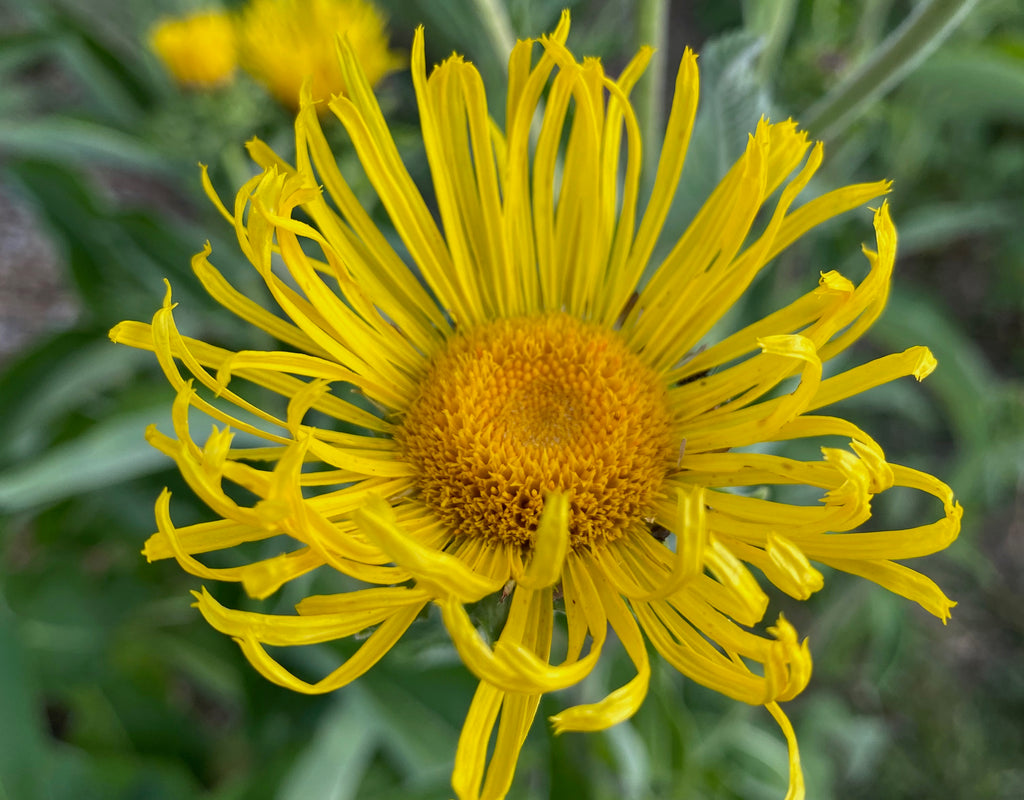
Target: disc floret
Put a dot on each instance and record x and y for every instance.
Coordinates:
(518, 408)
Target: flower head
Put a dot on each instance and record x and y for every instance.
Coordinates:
(282, 43)
(516, 407)
(198, 50)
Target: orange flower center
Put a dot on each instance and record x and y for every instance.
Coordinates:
(518, 408)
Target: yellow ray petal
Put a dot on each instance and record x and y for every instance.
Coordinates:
(550, 545)
(369, 653)
(285, 631)
(474, 740)
(783, 563)
(622, 703)
(689, 524)
(796, 789)
(670, 166)
(442, 575)
(509, 665)
(900, 580)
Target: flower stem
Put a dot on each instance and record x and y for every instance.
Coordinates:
(898, 55)
(652, 29)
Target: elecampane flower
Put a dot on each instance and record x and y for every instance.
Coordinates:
(281, 43)
(198, 50)
(516, 411)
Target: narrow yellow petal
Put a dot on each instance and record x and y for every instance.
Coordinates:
(442, 575)
(259, 578)
(901, 580)
(224, 293)
(286, 631)
(622, 703)
(551, 544)
(823, 208)
(689, 524)
(517, 714)
(140, 335)
(670, 167)
(796, 790)
(360, 602)
(370, 652)
(509, 665)
(474, 740)
(874, 291)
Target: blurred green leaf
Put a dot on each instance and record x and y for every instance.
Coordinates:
(970, 84)
(420, 742)
(773, 22)
(938, 225)
(339, 753)
(75, 369)
(23, 757)
(111, 76)
(963, 376)
(76, 141)
(113, 450)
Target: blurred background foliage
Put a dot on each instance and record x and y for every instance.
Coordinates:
(110, 684)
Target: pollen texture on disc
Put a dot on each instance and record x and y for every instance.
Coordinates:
(517, 408)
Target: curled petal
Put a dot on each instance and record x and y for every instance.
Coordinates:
(286, 631)
(370, 652)
(788, 669)
(752, 602)
(622, 703)
(260, 578)
(442, 575)
(800, 348)
(690, 528)
(509, 665)
(783, 563)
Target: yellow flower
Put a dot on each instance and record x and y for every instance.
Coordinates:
(516, 412)
(198, 50)
(281, 43)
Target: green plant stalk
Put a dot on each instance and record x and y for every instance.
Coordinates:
(774, 22)
(494, 16)
(897, 56)
(652, 30)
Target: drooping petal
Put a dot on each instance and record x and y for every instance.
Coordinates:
(623, 702)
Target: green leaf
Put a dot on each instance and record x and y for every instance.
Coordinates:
(970, 84)
(23, 761)
(73, 141)
(339, 753)
(935, 226)
(113, 450)
(70, 371)
(963, 375)
(418, 739)
(112, 75)
(774, 22)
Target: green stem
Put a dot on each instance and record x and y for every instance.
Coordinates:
(898, 55)
(496, 22)
(652, 29)
(774, 22)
